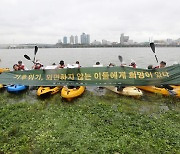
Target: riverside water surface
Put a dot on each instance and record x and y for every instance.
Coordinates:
(89, 56)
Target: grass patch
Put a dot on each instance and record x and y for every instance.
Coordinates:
(90, 124)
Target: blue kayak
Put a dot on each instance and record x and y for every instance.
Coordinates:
(16, 88)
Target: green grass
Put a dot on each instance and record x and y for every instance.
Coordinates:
(90, 124)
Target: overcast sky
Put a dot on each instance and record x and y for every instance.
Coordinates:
(46, 21)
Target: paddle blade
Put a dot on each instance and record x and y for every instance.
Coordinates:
(27, 57)
(152, 46)
(36, 49)
(120, 58)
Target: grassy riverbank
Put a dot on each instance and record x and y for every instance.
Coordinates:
(90, 124)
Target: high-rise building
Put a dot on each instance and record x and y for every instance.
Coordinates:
(124, 39)
(85, 39)
(88, 39)
(64, 40)
(76, 39)
(71, 39)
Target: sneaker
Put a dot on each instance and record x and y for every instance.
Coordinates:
(172, 92)
(120, 88)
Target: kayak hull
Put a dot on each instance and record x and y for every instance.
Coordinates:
(16, 88)
(69, 94)
(1, 86)
(48, 90)
(163, 91)
(4, 70)
(127, 91)
(1, 71)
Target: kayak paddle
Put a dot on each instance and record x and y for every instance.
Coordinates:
(120, 59)
(152, 45)
(35, 51)
(28, 58)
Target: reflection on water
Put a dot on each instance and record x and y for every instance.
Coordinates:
(98, 91)
(155, 105)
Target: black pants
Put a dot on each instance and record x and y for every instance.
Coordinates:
(166, 86)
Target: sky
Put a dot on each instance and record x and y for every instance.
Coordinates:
(47, 21)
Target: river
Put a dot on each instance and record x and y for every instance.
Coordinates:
(89, 56)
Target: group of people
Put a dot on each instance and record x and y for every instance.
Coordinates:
(38, 65)
(161, 65)
(62, 65)
(19, 66)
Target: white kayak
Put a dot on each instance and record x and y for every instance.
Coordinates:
(127, 91)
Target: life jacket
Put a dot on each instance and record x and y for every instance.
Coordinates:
(61, 66)
(37, 66)
(156, 67)
(21, 67)
(133, 65)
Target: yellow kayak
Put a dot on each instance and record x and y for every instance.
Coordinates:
(48, 90)
(127, 91)
(1, 86)
(162, 91)
(70, 93)
(4, 70)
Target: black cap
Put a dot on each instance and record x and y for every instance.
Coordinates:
(163, 62)
(19, 62)
(150, 67)
(61, 62)
(98, 63)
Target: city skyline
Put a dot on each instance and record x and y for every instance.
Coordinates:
(84, 39)
(123, 40)
(45, 21)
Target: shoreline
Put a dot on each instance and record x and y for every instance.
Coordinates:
(26, 46)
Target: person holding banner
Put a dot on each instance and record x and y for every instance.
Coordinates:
(15, 67)
(77, 63)
(37, 65)
(21, 66)
(166, 86)
(161, 65)
(133, 65)
(61, 64)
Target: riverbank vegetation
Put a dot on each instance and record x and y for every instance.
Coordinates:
(90, 124)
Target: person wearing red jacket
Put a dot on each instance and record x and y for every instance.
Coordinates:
(166, 86)
(61, 64)
(133, 65)
(37, 65)
(20, 65)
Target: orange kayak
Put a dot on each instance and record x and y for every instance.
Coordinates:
(162, 91)
(48, 90)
